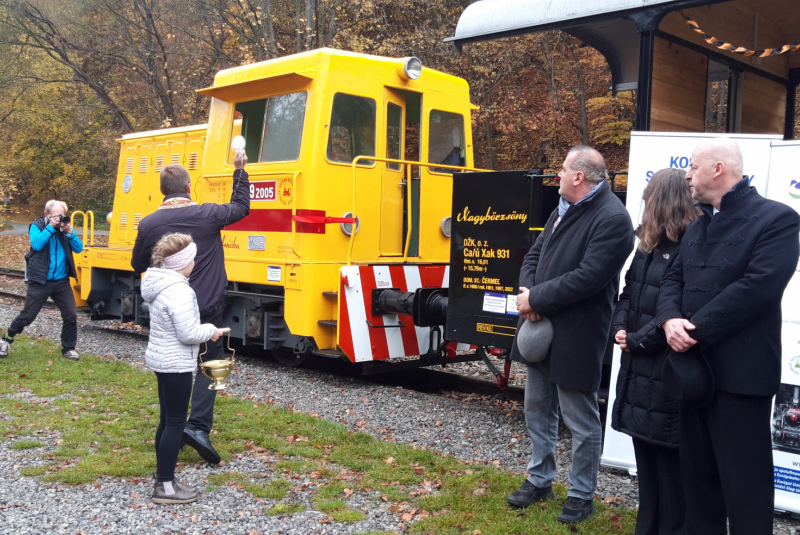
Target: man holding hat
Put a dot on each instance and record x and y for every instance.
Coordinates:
(721, 302)
(570, 276)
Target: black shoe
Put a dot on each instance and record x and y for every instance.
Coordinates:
(576, 510)
(200, 441)
(528, 494)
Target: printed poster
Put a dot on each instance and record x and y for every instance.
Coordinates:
(784, 188)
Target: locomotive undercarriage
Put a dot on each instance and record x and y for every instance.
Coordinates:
(255, 315)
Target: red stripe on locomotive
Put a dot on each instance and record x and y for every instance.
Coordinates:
(265, 220)
(408, 332)
(377, 336)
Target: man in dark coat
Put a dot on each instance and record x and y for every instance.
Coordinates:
(49, 266)
(571, 275)
(723, 294)
(203, 222)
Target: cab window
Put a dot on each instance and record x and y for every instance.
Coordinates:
(352, 129)
(394, 134)
(272, 127)
(446, 140)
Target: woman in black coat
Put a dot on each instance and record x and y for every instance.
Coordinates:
(642, 408)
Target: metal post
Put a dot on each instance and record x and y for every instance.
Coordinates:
(791, 100)
(644, 89)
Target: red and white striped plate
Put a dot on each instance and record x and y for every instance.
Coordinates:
(363, 343)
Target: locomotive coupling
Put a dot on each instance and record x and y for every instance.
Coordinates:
(426, 306)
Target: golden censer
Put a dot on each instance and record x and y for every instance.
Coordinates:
(218, 370)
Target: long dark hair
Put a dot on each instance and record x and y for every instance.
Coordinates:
(668, 209)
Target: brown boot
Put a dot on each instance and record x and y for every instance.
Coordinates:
(174, 492)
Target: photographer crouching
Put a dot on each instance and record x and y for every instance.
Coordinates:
(49, 267)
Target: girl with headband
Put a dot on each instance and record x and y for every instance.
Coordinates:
(175, 335)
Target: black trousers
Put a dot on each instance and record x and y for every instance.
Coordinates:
(60, 292)
(662, 507)
(726, 465)
(174, 390)
(202, 416)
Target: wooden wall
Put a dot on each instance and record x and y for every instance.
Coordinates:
(763, 105)
(754, 24)
(679, 88)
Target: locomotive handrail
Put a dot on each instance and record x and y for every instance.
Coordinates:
(88, 215)
(408, 164)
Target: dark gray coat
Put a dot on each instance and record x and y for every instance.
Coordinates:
(572, 272)
(643, 409)
(203, 222)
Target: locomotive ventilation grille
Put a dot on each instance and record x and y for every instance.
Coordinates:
(159, 163)
(129, 166)
(123, 221)
(136, 219)
(193, 160)
(143, 164)
(176, 158)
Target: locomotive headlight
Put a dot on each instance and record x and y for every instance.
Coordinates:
(411, 69)
(108, 217)
(446, 226)
(347, 228)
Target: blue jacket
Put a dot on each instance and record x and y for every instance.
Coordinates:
(48, 250)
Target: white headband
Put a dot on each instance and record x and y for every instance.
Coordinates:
(182, 258)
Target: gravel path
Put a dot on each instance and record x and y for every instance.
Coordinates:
(483, 429)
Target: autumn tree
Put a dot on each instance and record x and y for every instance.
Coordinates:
(108, 67)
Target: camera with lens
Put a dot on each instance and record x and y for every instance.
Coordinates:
(62, 218)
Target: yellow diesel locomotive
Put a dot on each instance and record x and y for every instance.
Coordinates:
(350, 160)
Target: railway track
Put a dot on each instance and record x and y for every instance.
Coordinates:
(427, 380)
(16, 273)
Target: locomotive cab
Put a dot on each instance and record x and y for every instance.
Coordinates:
(350, 160)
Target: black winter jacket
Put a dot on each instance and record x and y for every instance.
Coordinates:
(572, 272)
(38, 262)
(204, 223)
(642, 408)
(728, 280)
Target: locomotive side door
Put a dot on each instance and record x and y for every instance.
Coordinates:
(393, 177)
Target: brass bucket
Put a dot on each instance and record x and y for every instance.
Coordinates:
(218, 370)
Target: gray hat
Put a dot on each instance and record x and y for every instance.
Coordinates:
(534, 338)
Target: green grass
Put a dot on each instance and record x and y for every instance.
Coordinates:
(274, 490)
(107, 413)
(26, 444)
(348, 515)
(282, 508)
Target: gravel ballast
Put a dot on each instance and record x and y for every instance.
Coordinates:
(483, 429)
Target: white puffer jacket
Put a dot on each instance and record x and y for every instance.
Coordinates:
(175, 328)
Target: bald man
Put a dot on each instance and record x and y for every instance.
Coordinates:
(723, 295)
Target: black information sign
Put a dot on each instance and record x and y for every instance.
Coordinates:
(495, 217)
